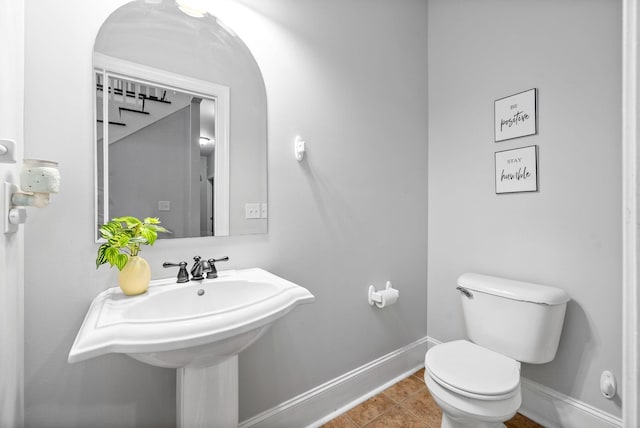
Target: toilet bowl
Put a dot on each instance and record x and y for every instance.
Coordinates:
(474, 387)
(476, 382)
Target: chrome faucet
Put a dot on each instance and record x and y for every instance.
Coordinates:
(199, 267)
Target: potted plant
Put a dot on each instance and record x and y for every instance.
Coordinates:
(124, 236)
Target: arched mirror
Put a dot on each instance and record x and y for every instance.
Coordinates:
(181, 122)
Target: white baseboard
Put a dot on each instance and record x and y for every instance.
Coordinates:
(319, 405)
(323, 403)
(553, 409)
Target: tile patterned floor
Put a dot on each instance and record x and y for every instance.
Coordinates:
(407, 404)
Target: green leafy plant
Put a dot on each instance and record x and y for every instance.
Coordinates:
(124, 236)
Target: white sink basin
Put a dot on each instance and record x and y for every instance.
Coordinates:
(195, 324)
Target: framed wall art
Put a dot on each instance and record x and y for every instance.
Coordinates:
(517, 170)
(515, 115)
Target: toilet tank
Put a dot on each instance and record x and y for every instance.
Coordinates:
(518, 319)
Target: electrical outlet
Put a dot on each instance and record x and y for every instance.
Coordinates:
(263, 210)
(252, 211)
(164, 205)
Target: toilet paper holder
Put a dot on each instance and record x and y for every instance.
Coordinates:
(383, 298)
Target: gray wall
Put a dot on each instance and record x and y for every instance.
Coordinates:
(350, 78)
(569, 233)
(131, 170)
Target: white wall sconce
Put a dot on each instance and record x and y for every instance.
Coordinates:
(39, 178)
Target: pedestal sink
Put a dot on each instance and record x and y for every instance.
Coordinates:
(197, 328)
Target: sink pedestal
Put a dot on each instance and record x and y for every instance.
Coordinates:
(208, 397)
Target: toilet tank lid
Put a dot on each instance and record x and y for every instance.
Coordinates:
(511, 289)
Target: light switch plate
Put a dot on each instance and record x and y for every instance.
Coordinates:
(164, 205)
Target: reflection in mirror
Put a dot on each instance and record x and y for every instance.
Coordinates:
(180, 122)
(178, 129)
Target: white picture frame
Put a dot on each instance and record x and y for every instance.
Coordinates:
(517, 170)
(516, 115)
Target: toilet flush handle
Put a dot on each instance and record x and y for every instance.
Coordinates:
(465, 292)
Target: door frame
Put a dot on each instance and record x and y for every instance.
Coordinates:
(630, 251)
(11, 245)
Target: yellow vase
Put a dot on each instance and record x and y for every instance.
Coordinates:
(135, 276)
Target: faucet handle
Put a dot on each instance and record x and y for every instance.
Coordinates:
(183, 275)
(213, 272)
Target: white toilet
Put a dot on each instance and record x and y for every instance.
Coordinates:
(477, 384)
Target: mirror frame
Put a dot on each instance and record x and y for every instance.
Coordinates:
(110, 66)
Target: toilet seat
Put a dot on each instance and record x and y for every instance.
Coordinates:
(473, 371)
(469, 412)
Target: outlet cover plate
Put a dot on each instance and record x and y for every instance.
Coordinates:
(252, 211)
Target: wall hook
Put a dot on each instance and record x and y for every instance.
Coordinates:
(299, 148)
